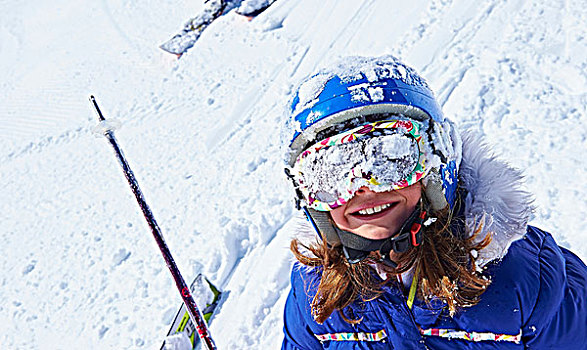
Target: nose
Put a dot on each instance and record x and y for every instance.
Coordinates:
(363, 190)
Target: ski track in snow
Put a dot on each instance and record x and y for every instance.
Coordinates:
(202, 136)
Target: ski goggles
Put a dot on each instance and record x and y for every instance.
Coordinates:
(384, 155)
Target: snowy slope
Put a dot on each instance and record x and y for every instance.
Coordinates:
(80, 269)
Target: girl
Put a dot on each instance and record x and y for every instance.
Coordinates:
(420, 237)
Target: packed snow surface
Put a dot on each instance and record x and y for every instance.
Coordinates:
(80, 268)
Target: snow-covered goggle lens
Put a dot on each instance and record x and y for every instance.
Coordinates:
(385, 155)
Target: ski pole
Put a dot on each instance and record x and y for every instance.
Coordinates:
(186, 295)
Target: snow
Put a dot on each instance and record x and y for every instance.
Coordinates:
(80, 268)
(178, 341)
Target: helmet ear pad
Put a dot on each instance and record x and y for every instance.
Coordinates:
(321, 219)
(433, 190)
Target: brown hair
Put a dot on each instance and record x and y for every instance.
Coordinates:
(445, 261)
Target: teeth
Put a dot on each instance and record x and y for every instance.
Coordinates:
(374, 210)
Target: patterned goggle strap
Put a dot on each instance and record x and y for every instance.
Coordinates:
(385, 155)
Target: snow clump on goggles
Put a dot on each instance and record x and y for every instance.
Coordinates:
(384, 155)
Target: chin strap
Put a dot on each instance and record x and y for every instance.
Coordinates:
(356, 248)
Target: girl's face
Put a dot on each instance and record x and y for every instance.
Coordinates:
(377, 215)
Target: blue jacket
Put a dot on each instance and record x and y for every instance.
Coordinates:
(538, 290)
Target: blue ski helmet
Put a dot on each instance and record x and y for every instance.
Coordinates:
(364, 89)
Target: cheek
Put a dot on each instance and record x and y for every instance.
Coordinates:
(337, 216)
(412, 195)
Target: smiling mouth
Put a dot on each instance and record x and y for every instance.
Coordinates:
(373, 210)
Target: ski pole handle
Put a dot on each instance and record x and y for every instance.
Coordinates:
(184, 290)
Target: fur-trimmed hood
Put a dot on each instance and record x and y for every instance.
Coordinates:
(495, 200)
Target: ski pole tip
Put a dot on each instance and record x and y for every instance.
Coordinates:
(98, 111)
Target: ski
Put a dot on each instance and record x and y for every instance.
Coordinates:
(252, 8)
(192, 30)
(205, 294)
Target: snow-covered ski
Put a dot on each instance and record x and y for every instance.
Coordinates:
(252, 8)
(192, 30)
(207, 295)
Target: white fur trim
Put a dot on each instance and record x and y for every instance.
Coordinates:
(495, 200)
